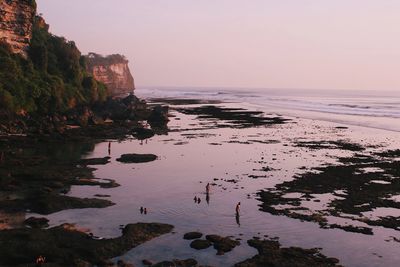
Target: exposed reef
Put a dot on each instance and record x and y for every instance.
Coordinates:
(66, 245)
(270, 253)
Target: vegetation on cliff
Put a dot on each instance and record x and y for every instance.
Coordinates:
(52, 79)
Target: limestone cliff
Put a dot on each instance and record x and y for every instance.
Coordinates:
(16, 20)
(112, 70)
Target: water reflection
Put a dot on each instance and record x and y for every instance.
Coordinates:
(237, 219)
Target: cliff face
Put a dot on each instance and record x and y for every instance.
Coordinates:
(113, 71)
(16, 20)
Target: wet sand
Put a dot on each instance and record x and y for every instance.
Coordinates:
(306, 183)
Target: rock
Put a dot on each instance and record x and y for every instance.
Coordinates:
(142, 133)
(158, 116)
(50, 203)
(270, 253)
(165, 264)
(65, 246)
(225, 245)
(213, 238)
(192, 235)
(177, 263)
(137, 158)
(121, 263)
(147, 262)
(36, 222)
(190, 262)
(200, 244)
(95, 161)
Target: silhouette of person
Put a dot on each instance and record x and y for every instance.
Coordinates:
(208, 198)
(195, 199)
(141, 210)
(145, 210)
(238, 209)
(109, 148)
(208, 188)
(198, 200)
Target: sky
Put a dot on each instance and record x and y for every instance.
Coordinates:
(315, 44)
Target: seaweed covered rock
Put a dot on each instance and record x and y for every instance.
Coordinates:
(192, 235)
(200, 244)
(270, 253)
(137, 158)
(68, 246)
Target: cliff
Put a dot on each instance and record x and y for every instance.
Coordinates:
(16, 21)
(113, 71)
(40, 73)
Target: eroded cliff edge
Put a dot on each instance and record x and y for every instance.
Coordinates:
(16, 21)
(113, 71)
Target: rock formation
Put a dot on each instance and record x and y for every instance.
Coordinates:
(113, 71)
(16, 20)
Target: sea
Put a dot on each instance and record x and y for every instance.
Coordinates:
(378, 109)
(196, 151)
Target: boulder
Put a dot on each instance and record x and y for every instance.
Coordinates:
(200, 244)
(192, 235)
(137, 158)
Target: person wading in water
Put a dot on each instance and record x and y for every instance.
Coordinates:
(238, 209)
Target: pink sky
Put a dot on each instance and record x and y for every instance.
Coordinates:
(341, 44)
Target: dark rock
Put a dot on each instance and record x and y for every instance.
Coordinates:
(234, 117)
(147, 262)
(177, 263)
(65, 245)
(225, 245)
(200, 244)
(159, 115)
(192, 235)
(142, 133)
(213, 238)
(95, 161)
(188, 262)
(137, 158)
(164, 264)
(50, 203)
(121, 263)
(270, 253)
(37, 222)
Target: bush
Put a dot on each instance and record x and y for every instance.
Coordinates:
(52, 79)
(6, 100)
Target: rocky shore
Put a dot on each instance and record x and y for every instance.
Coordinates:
(66, 245)
(40, 161)
(36, 178)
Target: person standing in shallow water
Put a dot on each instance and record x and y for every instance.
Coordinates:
(208, 188)
(238, 209)
(237, 219)
(109, 148)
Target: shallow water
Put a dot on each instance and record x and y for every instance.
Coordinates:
(189, 159)
(375, 109)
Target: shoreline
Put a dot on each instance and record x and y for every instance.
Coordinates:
(285, 111)
(205, 125)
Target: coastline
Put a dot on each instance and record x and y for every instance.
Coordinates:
(238, 178)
